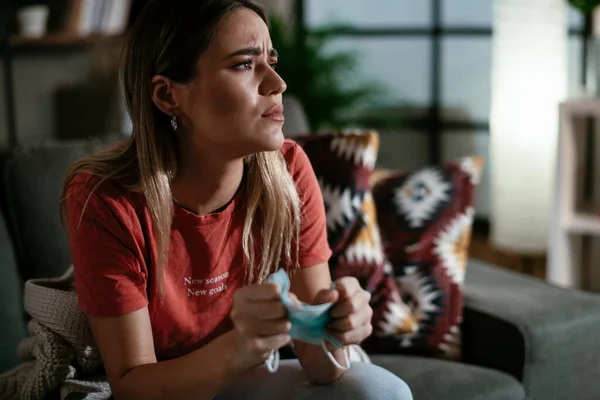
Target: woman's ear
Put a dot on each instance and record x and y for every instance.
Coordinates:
(163, 96)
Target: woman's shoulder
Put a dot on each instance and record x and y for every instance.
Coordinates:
(288, 148)
(88, 188)
(294, 155)
(102, 187)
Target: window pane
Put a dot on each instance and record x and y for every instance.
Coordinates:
(467, 12)
(463, 144)
(400, 66)
(466, 80)
(575, 18)
(575, 58)
(466, 77)
(364, 13)
(481, 13)
(403, 151)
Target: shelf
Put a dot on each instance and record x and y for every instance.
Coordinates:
(582, 107)
(583, 224)
(62, 40)
(575, 215)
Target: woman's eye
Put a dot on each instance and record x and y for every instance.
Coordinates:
(247, 65)
(244, 65)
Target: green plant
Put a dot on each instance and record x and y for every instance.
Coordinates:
(319, 78)
(585, 6)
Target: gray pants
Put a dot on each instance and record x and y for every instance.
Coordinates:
(361, 382)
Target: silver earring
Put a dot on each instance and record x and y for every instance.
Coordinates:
(174, 123)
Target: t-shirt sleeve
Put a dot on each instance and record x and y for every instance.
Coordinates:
(108, 276)
(313, 248)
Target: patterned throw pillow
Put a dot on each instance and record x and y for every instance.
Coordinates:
(343, 162)
(425, 217)
(364, 258)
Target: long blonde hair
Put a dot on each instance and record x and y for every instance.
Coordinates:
(167, 39)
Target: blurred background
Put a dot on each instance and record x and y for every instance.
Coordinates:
(438, 79)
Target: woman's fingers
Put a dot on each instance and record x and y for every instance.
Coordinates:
(258, 301)
(352, 321)
(354, 336)
(265, 310)
(351, 305)
(262, 328)
(260, 321)
(294, 299)
(266, 344)
(351, 317)
(257, 314)
(262, 292)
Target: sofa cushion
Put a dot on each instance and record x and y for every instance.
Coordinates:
(32, 178)
(12, 316)
(425, 217)
(433, 379)
(546, 335)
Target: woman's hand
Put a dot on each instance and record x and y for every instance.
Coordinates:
(260, 323)
(351, 313)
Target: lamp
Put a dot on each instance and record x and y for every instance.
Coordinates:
(529, 80)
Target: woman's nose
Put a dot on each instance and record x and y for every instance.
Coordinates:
(273, 83)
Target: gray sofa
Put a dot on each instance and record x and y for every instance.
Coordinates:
(522, 339)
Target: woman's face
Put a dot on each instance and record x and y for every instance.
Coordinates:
(233, 105)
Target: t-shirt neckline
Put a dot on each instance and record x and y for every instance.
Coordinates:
(189, 217)
(184, 215)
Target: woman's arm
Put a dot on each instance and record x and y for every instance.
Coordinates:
(308, 284)
(127, 349)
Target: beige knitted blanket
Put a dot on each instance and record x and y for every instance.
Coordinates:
(59, 356)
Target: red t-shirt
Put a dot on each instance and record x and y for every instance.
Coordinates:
(112, 249)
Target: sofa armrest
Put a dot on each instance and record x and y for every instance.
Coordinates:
(547, 337)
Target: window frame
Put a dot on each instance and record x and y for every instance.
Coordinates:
(433, 122)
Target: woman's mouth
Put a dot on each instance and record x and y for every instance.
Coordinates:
(275, 113)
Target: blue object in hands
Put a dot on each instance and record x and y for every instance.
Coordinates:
(309, 323)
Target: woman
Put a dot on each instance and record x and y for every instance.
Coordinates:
(174, 233)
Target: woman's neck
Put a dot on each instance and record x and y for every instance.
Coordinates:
(206, 181)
